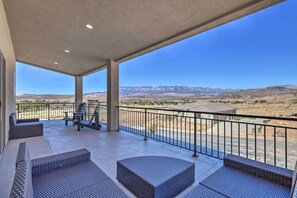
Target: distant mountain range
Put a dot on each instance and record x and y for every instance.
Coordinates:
(261, 92)
(161, 90)
(175, 92)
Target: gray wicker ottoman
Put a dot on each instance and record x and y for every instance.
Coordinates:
(155, 176)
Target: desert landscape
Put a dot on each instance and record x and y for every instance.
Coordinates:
(271, 101)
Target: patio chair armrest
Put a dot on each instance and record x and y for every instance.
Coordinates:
(78, 113)
(49, 163)
(272, 173)
(27, 120)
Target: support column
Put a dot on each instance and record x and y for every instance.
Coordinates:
(112, 95)
(78, 91)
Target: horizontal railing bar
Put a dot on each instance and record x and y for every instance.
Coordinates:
(218, 120)
(250, 123)
(213, 113)
(43, 103)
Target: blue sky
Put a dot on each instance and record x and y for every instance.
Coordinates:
(256, 51)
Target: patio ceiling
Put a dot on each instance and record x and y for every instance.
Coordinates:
(122, 29)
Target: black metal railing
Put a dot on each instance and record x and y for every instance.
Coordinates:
(49, 111)
(268, 139)
(45, 111)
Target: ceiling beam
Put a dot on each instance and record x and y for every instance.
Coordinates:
(94, 70)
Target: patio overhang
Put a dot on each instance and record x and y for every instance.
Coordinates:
(42, 30)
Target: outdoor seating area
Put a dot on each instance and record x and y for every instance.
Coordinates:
(23, 128)
(133, 168)
(106, 149)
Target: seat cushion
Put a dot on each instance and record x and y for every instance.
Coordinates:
(22, 183)
(201, 191)
(104, 189)
(272, 173)
(234, 183)
(63, 181)
(294, 183)
(28, 124)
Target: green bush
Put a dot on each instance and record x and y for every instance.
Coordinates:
(153, 128)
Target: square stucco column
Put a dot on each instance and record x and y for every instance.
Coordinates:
(112, 95)
(78, 91)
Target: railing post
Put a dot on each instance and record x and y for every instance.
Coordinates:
(48, 111)
(145, 125)
(195, 136)
(18, 110)
(118, 118)
(89, 111)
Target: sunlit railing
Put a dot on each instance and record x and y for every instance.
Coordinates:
(43, 111)
(50, 111)
(271, 140)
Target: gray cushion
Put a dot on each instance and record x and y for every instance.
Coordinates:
(22, 183)
(12, 119)
(272, 173)
(294, 183)
(63, 181)
(201, 191)
(104, 189)
(23, 153)
(49, 163)
(234, 183)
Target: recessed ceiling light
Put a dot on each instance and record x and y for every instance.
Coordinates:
(89, 26)
(55, 63)
(67, 51)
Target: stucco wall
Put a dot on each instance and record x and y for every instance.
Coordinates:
(6, 48)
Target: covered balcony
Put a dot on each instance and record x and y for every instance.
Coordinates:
(81, 38)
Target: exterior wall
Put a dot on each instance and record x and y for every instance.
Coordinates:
(6, 48)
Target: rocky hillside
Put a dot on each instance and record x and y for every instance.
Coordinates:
(260, 93)
(175, 92)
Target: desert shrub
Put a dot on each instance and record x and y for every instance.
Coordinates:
(237, 102)
(153, 128)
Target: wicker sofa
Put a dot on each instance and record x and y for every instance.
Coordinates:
(24, 128)
(241, 177)
(70, 174)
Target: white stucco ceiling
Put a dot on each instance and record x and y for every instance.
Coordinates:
(123, 29)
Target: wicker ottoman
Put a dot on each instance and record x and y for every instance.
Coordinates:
(155, 176)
